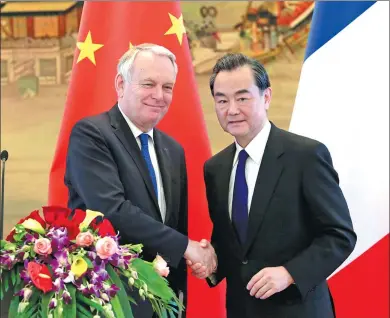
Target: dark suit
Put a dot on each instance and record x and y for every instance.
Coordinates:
(106, 172)
(298, 219)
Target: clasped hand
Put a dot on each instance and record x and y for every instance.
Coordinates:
(201, 258)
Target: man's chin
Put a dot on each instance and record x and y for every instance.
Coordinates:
(238, 132)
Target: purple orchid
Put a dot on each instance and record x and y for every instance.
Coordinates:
(7, 260)
(110, 290)
(84, 289)
(53, 303)
(62, 258)
(92, 255)
(99, 273)
(25, 277)
(66, 297)
(30, 238)
(93, 290)
(58, 284)
(59, 238)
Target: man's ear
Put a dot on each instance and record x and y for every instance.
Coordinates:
(267, 97)
(119, 85)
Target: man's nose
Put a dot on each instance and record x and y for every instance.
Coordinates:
(158, 92)
(233, 109)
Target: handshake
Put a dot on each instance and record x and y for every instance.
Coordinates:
(201, 258)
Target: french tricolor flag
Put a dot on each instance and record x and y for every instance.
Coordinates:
(343, 101)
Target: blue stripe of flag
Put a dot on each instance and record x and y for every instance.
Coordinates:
(331, 17)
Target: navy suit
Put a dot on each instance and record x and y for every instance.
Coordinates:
(106, 172)
(298, 219)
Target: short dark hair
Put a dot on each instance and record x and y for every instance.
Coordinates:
(232, 61)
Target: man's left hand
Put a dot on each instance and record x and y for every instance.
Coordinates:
(268, 281)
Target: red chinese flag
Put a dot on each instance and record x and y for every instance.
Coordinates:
(106, 31)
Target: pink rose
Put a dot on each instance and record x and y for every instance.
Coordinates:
(106, 247)
(84, 239)
(42, 246)
(160, 265)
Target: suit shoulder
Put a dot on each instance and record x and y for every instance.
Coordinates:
(169, 140)
(218, 157)
(94, 122)
(301, 144)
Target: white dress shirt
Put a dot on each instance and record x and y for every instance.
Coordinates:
(153, 156)
(255, 150)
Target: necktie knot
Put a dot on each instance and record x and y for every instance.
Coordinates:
(242, 156)
(144, 139)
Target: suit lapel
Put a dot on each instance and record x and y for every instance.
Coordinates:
(164, 163)
(270, 170)
(124, 134)
(224, 173)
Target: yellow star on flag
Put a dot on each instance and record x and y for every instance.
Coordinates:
(87, 49)
(130, 45)
(177, 27)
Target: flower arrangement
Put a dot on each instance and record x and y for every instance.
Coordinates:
(67, 265)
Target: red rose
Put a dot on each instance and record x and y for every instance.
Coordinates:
(104, 228)
(53, 213)
(72, 228)
(40, 276)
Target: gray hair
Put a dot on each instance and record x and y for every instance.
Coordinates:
(126, 61)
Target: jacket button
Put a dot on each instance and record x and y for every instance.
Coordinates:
(245, 261)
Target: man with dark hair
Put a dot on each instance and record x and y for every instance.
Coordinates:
(281, 223)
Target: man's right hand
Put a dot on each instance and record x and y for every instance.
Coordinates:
(201, 258)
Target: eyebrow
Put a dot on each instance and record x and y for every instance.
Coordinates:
(241, 91)
(148, 79)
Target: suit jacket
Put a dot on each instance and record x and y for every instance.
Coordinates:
(106, 172)
(298, 219)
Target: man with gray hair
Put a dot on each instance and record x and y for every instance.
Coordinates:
(120, 164)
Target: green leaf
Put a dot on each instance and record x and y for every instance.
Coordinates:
(2, 244)
(13, 307)
(88, 261)
(131, 299)
(18, 269)
(70, 310)
(5, 282)
(157, 285)
(13, 276)
(33, 305)
(116, 307)
(32, 253)
(121, 294)
(30, 310)
(46, 297)
(8, 246)
(1, 292)
(18, 237)
(19, 228)
(82, 311)
(89, 302)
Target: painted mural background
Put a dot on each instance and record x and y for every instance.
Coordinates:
(38, 41)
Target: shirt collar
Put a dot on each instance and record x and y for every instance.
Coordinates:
(255, 148)
(134, 129)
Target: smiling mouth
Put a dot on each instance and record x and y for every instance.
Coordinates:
(154, 106)
(236, 122)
